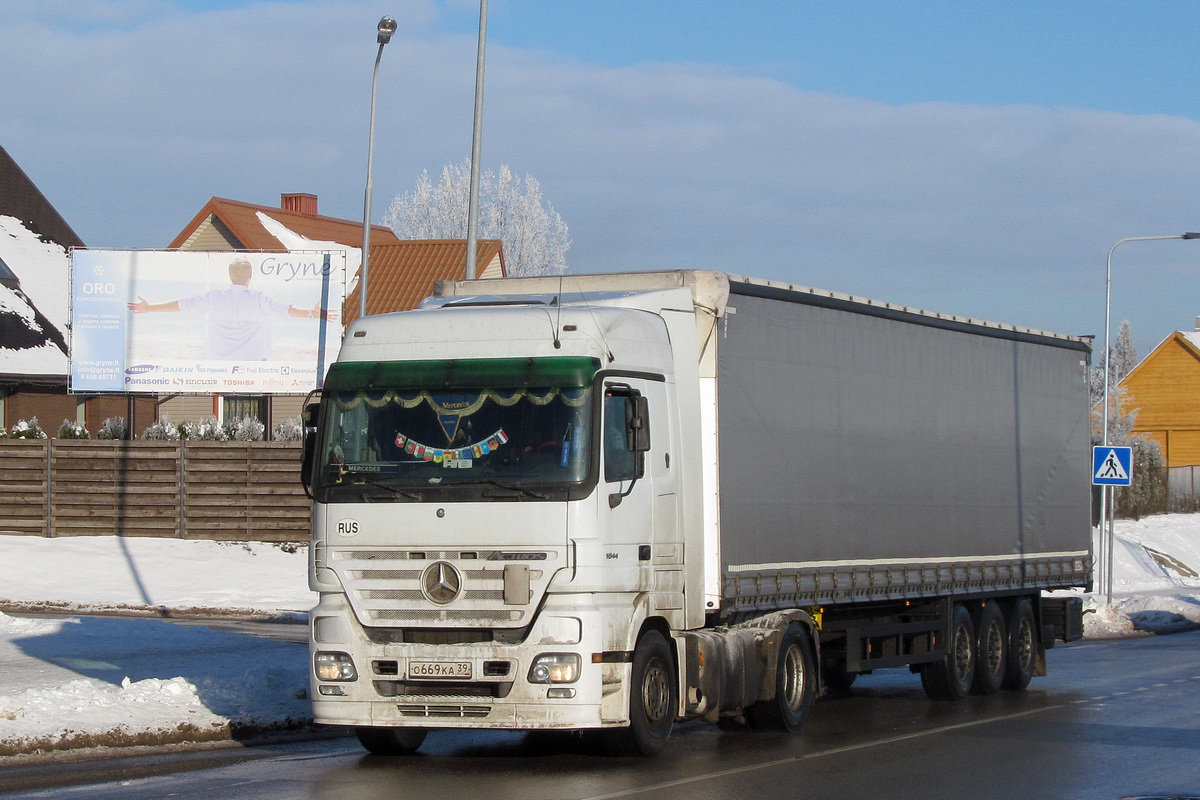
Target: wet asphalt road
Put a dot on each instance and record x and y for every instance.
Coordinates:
(1114, 719)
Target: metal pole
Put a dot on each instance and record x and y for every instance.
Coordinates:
(1107, 512)
(386, 27)
(476, 136)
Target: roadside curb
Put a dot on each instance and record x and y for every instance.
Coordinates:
(153, 612)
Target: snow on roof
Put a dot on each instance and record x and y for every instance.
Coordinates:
(34, 317)
(1193, 337)
(293, 241)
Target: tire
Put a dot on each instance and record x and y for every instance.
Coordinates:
(653, 698)
(991, 649)
(795, 685)
(950, 678)
(390, 741)
(1022, 646)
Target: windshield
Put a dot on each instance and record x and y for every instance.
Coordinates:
(496, 429)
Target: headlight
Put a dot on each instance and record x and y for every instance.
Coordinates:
(555, 668)
(334, 667)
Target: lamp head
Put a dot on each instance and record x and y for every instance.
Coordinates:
(387, 26)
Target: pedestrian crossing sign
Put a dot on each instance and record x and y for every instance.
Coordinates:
(1112, 466)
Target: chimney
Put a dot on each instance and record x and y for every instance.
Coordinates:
(299, 202)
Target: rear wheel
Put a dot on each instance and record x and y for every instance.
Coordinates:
(653, 698)
(991, 659)
(1022, 646)
(950, 678)
(390, 741)
(795, 685)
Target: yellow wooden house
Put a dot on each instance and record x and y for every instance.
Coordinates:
(1165, 390)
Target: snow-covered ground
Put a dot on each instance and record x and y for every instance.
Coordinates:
(140, 678)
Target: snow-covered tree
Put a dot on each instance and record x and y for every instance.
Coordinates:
(1120, 360)
(533, 234)
(1123, 356)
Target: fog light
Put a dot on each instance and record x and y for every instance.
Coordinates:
(334, 667)
(555, 668)
(560, 692)
(332, 691)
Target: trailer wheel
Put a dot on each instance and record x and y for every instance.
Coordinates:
(653, 698)
(991, 650)
(1022, 646)
(950, 678)
(795, 685)
(390, 741)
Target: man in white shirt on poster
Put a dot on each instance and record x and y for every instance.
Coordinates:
(238, 318)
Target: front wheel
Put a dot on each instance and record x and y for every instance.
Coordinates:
(390, 741)
(795, 685)
(653, 698)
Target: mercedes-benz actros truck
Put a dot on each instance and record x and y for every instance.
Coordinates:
(618, 502)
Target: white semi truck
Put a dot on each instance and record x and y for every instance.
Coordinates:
(623, 501)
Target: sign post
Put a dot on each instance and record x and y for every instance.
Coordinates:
(1111, 466)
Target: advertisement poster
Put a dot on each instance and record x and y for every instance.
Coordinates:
(173, 322)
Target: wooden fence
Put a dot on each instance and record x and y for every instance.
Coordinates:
(230, 491)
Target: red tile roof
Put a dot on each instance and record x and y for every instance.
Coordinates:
(402, 274)
(242, 222)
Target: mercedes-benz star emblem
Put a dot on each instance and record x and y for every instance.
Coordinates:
(441, 582)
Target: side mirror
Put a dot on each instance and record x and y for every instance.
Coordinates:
(637, 424)
(308, 420)
(636, 442)
(309, 415)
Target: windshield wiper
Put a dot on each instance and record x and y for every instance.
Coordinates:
(378, 484)
(519, 490)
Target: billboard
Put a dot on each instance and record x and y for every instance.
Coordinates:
(176, 322)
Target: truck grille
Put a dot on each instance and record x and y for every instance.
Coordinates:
(444, 589)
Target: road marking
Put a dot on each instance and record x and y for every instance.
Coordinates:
(819, 754)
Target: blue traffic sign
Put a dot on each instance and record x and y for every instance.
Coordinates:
(1112, 466)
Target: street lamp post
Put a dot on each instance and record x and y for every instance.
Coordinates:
(387, 27)
(476, 136)
(1105, 493)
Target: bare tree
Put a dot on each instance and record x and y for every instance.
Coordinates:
(534, 235)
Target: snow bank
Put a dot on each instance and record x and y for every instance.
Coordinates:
(1156, 579)
(114, 573)
(78, 682)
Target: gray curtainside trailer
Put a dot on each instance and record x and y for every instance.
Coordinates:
(868, 452)
(620, 501)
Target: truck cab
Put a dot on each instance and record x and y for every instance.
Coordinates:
(497, 516)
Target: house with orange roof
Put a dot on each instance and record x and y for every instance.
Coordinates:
(402, 274)
(225, 225)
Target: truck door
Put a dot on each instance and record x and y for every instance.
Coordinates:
(640, 486)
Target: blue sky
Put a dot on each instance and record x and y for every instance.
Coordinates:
(1131, 57)
(967, 157)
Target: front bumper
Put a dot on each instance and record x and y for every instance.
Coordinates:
(498, 694)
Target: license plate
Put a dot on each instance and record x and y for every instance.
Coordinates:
(439, 669)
